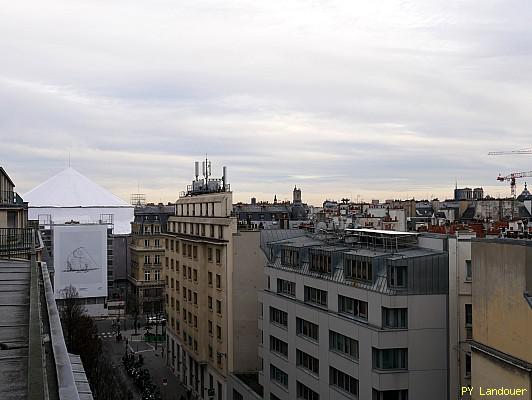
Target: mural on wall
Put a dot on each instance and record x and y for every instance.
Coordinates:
(80, 259)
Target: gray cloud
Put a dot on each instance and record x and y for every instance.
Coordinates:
(396, 99)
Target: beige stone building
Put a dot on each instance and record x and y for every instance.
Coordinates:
(212, 277)
(147, 254)
(502, 318)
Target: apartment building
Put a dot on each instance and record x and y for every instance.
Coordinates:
(13, 210)
(147, 254)
(357, 315)
(212, 277)
(502, 318)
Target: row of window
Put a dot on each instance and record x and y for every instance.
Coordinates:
(195, 209)
(156, 274)
(391, 317)
(337, 378)
(305, 393)
(354, 268)
(188, 228)
(156, 260)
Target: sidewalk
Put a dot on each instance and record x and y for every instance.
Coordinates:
(152, 361)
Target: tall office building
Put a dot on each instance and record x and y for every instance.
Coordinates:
(213, 273)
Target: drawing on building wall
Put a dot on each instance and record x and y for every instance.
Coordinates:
(80, 260)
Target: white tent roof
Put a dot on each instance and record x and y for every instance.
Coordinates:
(71, 189)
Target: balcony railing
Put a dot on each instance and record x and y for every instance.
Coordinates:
(17, 242)
(10, 198)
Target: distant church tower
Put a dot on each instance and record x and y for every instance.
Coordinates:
(296, 197)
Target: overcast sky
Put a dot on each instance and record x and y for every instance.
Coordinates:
(387, 99)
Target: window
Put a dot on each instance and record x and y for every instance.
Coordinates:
(343, 344)
(278, 346)
(209, 302)
(195, 298)
(307, 329)
(210, 327)
(278, 376)
(290, 257)
(397, 276)
(218, 256)
(286, 287)
(218, 281)
(469, 272)
(146, 275)
(306, 393)
(469, 321)
(320, 262)
(394, 318)
(359, 269)
(189, 250)
(157, 275)
(158, 243)
(468, 314)
(237, 395)
(390, 395)
(315, 296)
(146, 243)
(278, 317)
(307, 362)
(390, 358)
(352, 307)
(147, 260)
(468, 365)
(212, 230)
(195, 321)
(220, 232)
(189, 273)
(218, 306)
(343, 381)
(195, 251)
(209, 275)
(195, 274)
(219, 332)
(209, 254)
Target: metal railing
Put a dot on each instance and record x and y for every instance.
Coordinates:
(17, 242)
(10, 198)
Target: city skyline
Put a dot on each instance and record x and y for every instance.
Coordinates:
(396, 100)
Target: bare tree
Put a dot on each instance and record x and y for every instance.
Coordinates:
(70, 312)
(133, 309)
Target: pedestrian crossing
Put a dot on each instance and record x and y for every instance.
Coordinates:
(107, 335)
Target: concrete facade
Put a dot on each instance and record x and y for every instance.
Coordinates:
(415, 362)
(502, 316)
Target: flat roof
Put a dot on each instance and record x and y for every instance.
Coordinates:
(382, 232)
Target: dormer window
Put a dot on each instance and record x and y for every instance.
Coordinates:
(290, 257)
(359, 269)
(397, 275)
(320, 262)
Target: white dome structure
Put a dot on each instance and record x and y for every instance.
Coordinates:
(71, 196)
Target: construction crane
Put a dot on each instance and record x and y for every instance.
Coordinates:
(512, 177)
(527, 150)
